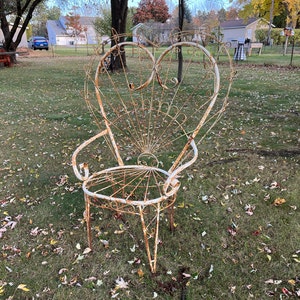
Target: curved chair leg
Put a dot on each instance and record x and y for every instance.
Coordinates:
(171, 213)
(149, 233)
(88, 219)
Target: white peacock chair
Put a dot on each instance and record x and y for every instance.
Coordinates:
(152, 123)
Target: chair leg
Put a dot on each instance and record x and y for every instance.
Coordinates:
(151, 232)
(88, 219)
(171, 213)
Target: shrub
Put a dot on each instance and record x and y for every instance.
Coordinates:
(276, 35)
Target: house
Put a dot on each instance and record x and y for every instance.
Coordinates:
(241, 30)
(158, 33)
(23, 42)
(59, 33)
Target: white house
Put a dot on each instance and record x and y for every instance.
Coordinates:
(153, 31)
(58, 32)
(240, 30)
(23, 42)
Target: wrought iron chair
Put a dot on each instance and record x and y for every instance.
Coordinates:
(151, 121)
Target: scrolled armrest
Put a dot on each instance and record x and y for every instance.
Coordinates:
(172, 178)
(84, 166)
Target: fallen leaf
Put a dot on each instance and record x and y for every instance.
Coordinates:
(140, 272)
(286, 292)
(181, 205)
(23, 287)
(292, 282)
(279, 201)
(1, 290)
(121, 283)
(272, 281)
(87, 250)
(62, 271)
(105, 243)
(53, 242)
(185, 275)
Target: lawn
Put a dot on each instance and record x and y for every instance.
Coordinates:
(237, 214)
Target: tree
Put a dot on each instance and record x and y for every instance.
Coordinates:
(186, 14)
(40, 16)
(207, 21)
(268, 10)
(181, 14)
(209, 5)
(119, 10)
(232, 13)
(74, 27)
(263, 8)
(19, 13)
(103, 23)
(155, 10)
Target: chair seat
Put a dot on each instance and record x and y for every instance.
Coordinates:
(133, 185)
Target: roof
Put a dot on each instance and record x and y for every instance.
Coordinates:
(87, 20)
(56, 27)
(83, 20)
(238, 23)
(154, 26)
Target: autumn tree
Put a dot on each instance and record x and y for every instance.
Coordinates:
(15, 15)
(74, 26)
(232, 13)
(207, 20)
(151, 10)
(270, 9)
(263, 8)
(40, 16)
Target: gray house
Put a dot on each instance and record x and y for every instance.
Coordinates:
(240, 30)
(60, 34)
(158, 33)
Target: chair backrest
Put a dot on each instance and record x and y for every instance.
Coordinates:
(152, 105)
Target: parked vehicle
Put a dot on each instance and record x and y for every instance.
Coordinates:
(38, 42)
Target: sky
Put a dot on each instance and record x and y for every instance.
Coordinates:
(194, 5)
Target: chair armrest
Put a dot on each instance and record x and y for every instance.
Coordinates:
(84, 166)
(172, 180)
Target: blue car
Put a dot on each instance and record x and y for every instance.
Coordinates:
(38, 42)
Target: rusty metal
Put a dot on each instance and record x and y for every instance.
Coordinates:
(152, 125)
(5, 57)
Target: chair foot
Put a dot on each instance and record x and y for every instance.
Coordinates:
(88, 220)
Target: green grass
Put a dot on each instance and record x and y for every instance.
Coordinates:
(270, 55)
(250, 158)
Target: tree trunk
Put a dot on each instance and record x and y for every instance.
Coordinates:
(180, 25)
(270, 23)
(23, 11)
(119, 10)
